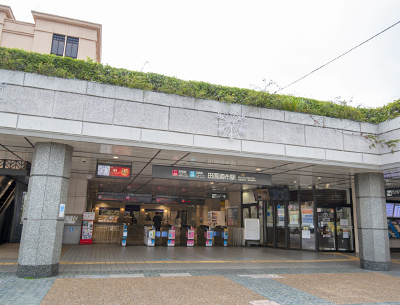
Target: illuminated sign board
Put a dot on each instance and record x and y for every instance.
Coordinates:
(176, 199)
(220, 196)
(139, 198)
(210, 175)
(394, 193)
(114, 171)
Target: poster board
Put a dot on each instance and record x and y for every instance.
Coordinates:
(252, 229)
(233, 216)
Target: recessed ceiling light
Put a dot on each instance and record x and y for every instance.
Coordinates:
(319, 178)
(115, 157)
(211, 182)
(258, 169)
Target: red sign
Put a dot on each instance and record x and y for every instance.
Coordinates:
(119, 171)
(174, 172)
(113, 171)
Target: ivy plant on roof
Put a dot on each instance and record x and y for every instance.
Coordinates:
(65, 67)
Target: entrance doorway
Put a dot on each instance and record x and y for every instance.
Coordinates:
(316, 220)
(335, 229)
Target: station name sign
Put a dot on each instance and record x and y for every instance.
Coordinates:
(113, 171)
(139, 198)
(209, 175)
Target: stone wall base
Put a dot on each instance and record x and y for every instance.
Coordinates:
(375, 266)
(37, 271)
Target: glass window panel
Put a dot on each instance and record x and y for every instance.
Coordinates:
(326, 229)
(280, 225)
(270, 223)
(307, 225)
(344, 229)
(71, 49)
(253, 211)
(294, 225)
(57, 47)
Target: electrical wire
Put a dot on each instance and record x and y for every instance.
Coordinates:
(23, 20)
(338, 57)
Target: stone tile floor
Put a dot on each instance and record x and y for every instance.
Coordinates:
(267, 276)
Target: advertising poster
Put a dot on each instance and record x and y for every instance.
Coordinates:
(232, 217)
(306, 234)
(307, 217)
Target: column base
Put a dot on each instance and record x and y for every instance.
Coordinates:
(37, 271)
(374, 266)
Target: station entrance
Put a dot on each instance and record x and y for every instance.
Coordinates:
(288, 218)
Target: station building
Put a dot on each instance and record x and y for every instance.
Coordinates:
(70, 146)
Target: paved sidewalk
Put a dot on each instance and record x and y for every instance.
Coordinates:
(111, 274)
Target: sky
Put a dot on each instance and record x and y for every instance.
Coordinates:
(247, 44)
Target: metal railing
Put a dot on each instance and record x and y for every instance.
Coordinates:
(107, 234)
(236, 236)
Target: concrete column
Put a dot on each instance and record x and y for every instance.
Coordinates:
(41, 241)
(372, 222)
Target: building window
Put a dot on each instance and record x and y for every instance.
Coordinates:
(58, 45)
(71, 48)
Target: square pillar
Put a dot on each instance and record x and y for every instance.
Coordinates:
(42, 232)
(372, 221)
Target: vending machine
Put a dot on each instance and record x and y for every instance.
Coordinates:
(87, 228)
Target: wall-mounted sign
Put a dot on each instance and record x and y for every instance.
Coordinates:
(194, 200)
(139, 198)
(114, 171)
(61, 212)
(176, 199)
(393, 193)
(279, 193)
(261, 194)
(209, 175)
(132, 208)
(220, 196)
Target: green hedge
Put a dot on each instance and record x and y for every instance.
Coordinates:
(65, 67)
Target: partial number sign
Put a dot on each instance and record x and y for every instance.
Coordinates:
(113, 171)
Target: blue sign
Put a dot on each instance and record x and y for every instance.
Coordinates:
(192, 174)
(71, 229)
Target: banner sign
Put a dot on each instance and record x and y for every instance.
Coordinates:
(220, 196)
(113, 171)
(139, 198)
(174, 199)
(209, 175)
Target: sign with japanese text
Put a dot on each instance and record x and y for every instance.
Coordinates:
(139, 198)
(176, 199)
(113, 171)
(220, 196)
(394, 193)
(210, 175)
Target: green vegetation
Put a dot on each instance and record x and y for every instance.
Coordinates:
(51, 65)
